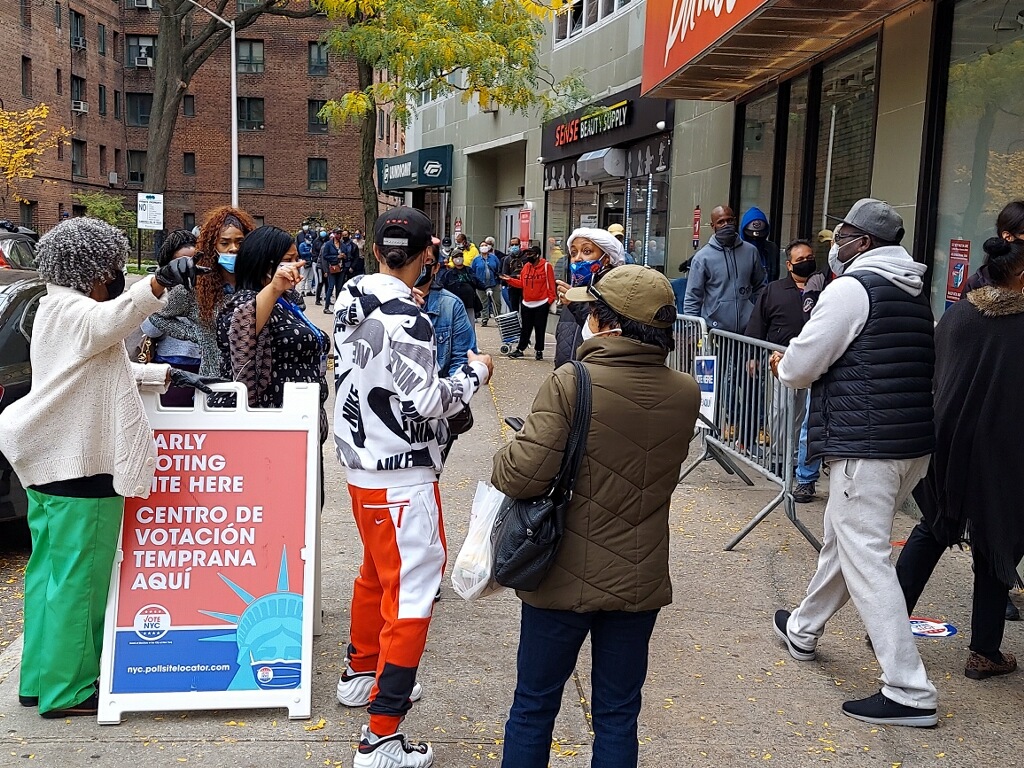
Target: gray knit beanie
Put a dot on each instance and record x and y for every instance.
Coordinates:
(80, 252)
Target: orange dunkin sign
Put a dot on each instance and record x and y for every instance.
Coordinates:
(677, 31)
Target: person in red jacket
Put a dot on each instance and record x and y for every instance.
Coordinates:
(537, 281)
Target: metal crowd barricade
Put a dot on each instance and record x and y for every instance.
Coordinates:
(754, 415)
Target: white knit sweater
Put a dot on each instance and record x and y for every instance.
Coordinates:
(83, 415)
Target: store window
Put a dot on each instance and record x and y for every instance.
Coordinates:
(982, 166)
(758, 152)
(559, 226)
(793, 172)
(574, 18)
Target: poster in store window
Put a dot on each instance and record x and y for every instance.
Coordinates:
(959, 269)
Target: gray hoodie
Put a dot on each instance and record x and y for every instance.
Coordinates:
(841, 313)
(723, 285)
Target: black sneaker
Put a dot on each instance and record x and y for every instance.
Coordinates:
(516, 354)
(540, 355)
(28, 701)
(87, 708)
(803, 493)
(798, 653)
(879, 710)
(483, 323)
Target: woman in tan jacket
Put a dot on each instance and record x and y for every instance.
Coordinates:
(610, 577)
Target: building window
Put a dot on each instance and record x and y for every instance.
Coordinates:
(117, 161)
(78, 90)
(117, 48)
(189, 164)
(28, 214)
(60, 150)
(139, 105)
(60, 82)
(258, 220)
(77, 30)
(758, 152)
(576, 17)
(26, 13)
(317, 59)
(316, 174)
(26, 77)
(250, 114)
(387, 128)
(58, 15)
(188, 221)
(78, 154)
(250, 172)
(188, 105)
(250, 57)
(316, 125)
(117, 105)
(103, 160)
(101, 39)
(136, 166)
(247, 5)
(102, 99)
(141, 50)
(380, 125)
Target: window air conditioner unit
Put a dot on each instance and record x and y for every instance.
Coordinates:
(143, 62)
(112, 178)
(80, 106)
(144, 4)
(78, 43)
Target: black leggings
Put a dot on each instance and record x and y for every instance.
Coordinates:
(534, 319)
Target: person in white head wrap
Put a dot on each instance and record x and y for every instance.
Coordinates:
(592, 252)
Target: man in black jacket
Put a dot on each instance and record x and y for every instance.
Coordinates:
(778, 317)
(351, 259)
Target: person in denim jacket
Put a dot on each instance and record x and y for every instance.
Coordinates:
(453, 330)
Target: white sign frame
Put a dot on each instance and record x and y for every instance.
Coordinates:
(300, 413)
(149, 211)
(708, 399)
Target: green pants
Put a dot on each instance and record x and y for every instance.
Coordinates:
(66, 582)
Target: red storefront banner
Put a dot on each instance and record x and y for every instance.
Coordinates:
(525, 225)
(959, 269)
(677, 31)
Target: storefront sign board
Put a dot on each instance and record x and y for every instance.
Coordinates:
(705, 369)
(525, 225)
(212, 597)
(427, 167)
(678, 31)
(959, 269)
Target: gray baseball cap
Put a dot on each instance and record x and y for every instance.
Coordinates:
(875, 217)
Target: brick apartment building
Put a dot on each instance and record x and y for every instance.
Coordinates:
(90, 61)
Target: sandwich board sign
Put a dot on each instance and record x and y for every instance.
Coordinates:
(212, 596)
(704, 370)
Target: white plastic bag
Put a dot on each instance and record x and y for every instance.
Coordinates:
(473, 572)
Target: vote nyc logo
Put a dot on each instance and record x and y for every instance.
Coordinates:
(152, 622)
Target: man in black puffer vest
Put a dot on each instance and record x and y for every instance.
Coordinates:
(867, 352)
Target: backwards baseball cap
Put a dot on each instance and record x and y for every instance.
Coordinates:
(403, 227)
(876, 218)
(636, 292)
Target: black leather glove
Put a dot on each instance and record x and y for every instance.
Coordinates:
(180, 378)
(181, 271)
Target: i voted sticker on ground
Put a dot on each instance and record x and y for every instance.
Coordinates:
(923, 627)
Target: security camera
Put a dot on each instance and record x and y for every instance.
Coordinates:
(660, 125)
(540, 159)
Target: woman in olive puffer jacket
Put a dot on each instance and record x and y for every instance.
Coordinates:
(610, 576)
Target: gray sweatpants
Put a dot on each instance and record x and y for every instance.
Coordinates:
(854, 562)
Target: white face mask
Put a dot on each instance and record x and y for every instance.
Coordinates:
(834, 263)
(588, 333)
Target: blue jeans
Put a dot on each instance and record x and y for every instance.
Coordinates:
(549, 645)
(334, 283)
(806, 472)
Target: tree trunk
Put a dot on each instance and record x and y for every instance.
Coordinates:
(367, 165)
(168, 89)
(979, 176)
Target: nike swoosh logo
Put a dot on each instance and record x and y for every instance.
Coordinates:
(379, 522)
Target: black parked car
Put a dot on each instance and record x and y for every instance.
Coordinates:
(20, 291)
(17, 247)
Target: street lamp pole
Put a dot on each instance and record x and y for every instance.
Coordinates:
(234, 101)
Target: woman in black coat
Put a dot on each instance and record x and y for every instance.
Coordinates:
(979, 373)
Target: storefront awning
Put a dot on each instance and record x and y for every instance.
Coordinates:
(428, 167)
(721, 49)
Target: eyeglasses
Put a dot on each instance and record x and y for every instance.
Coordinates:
(839, 235)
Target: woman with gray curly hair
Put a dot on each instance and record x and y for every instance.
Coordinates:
(80, 442)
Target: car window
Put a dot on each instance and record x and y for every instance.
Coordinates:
(20, 314)
(18, 254)
(28, 317)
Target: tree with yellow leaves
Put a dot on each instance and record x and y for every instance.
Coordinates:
(23, 140)
(482, 49)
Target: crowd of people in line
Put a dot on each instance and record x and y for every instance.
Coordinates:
(885, 411)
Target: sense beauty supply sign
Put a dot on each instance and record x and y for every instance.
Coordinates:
(210, 600)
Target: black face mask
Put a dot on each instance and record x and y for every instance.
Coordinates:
(804, 269)
(115, 287)
(426, 276)
(727, 235)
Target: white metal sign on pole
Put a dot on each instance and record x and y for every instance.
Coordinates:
(705, 370)
(150, 211)
(213, 594)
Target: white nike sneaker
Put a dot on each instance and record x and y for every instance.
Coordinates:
(394, 751)
(354, 688)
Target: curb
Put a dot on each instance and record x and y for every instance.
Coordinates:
(10, 659)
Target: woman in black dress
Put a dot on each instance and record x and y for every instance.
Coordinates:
(264, 336)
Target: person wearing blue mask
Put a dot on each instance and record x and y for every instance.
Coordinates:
(511, 266)
(486, 268)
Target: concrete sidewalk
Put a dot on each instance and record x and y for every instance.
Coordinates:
(721, 689)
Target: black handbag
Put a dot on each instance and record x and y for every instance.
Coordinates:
(527, 532)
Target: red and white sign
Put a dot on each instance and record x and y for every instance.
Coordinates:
(959, 269)
(525, 224)
(696, 227)
(458, 226)
(678, 31)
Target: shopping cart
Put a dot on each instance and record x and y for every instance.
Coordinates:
(509, 327)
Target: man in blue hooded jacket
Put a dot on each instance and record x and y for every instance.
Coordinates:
(755, 229)
(726, 276)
